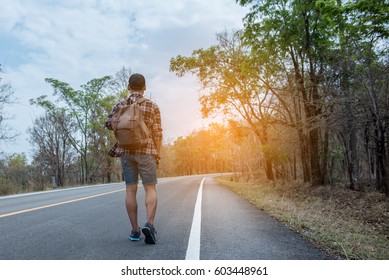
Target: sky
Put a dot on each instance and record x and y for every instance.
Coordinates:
(77, 41)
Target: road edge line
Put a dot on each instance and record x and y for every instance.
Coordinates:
(193, 249)
(56, 204)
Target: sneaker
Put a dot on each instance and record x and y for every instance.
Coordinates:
(149, 231)
(134, 236)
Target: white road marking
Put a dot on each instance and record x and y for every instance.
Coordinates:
(193, 250)
(56, 204)
(54, 191)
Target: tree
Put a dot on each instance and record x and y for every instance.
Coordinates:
(119, 83)
(17, 171)
(53, 151)
(333, 54)
(369, 29)
(80, 106)
(296, 35)
(356, 75)
(101, 141)
(6, 94)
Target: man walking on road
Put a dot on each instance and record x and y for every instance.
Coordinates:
(141, 161)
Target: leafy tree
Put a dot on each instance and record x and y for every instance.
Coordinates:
(306, 39)
(295, 36)
(101, 142)
(81, 107)
(356, 76)
(17, 171)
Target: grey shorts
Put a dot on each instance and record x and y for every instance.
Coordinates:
(143, 165)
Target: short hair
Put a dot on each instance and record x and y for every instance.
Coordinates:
(137, 82)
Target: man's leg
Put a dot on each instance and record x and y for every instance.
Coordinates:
(132, 206)
(151, 202)
(148, 173)
(151, 207)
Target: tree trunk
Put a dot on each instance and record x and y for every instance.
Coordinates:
(324, 164)
(316, 176)
(380, 156)
(302, 139)
(304, 156)
(263, 137)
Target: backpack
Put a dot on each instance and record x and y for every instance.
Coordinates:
(129, 127)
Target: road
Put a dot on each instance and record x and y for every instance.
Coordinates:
(90, 223)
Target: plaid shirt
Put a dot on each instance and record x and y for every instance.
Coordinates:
(152, 118)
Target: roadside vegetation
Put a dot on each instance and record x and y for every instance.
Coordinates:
(343, 223)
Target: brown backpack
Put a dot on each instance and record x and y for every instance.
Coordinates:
(129, 127)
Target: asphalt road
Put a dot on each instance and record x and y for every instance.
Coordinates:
(91, 223)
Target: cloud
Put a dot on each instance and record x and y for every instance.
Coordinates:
(177, 99)
(76, 41)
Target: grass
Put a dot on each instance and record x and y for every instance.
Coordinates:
(344, 224)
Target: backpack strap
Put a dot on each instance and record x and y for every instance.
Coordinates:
(124, 101)
(127, 101)
(140, 100)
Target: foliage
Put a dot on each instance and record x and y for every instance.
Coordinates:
(6, 97)
(15, 174)
(81, 107)
(299, 64)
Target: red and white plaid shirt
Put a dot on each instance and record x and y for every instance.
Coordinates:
(152, 118)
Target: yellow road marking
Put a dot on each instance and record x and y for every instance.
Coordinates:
(56, 204)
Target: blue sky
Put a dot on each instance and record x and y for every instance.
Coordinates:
(76, 41)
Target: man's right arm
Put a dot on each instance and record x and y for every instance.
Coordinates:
(157, 130)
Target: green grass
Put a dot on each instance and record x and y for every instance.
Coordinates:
(344, 224)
